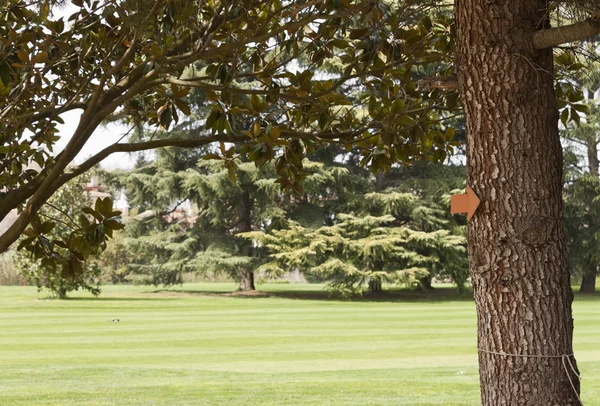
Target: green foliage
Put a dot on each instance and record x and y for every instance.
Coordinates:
(162, 248)
(113, 262)
(54, 249)
(358, 250)
(582, 215)
(256, 66)
(582, 185)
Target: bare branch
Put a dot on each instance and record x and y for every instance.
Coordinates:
(439, 82)
(144, 146)
(552, 37)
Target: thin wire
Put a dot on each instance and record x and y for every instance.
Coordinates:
(564, 358)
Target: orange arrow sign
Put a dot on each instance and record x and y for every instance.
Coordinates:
(466, 203)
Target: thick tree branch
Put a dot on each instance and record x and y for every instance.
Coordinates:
(441, 82)
(144, 146)
(189, 143)
(552, 37)
(208, 86)
(52, 112)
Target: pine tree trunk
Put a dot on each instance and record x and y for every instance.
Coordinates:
(588, 283)
(245, 274)
(426, 283)
(380, 181)
(375, 286)
(246, 277)
(516, 238)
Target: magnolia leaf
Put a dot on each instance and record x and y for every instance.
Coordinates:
(40, 58)
(181, 105)
(23, 56)
(405, 120)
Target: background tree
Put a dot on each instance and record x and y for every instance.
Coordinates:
(582, 135)
(61, 213)
(429, 186)
(581, 193)
(163, 247)
(390, 237)
(582, 213)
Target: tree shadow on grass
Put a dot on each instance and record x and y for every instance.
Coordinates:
(586, 296)
(393, 295)
(108, 299)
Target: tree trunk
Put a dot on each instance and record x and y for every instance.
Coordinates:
(516, 238)
(245, 274)
(592, 151)
(588, 283)
(380, 181)
(62, 293)
(246, 277)
(426, 283)
(375, 286)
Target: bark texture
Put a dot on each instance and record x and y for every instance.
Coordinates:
(516, 238)
(245, 274)
(246, 277)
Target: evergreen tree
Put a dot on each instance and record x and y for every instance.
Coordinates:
(582, 214)
(386, 237)
(582, 135)
(164, 247)
(581, 194)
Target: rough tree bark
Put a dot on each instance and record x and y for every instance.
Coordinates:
(245, 274)
(516, 238)
(588, 283)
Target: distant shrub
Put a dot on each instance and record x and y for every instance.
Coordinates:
(9, 274)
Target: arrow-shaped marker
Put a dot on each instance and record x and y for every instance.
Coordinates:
(466, 203)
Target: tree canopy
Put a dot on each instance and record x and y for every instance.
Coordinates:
(255, 61)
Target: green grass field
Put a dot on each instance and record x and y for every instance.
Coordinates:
(192, 346)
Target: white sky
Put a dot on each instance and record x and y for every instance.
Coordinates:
(100, 139)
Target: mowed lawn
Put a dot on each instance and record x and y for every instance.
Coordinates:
(193, 346)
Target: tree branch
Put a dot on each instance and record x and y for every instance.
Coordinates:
(439, 82)
(188, 143)
(552, 37)
(144, 146)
